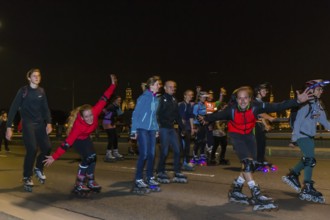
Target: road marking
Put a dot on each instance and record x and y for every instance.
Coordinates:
(193, 174)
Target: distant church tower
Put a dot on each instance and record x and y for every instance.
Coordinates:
(291, 97)
(291, 93)
(128, 98)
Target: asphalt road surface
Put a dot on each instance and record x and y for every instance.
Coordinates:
(203, 197)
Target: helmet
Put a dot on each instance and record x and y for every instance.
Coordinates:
(264, 85)
(312, 84)
(203, 94)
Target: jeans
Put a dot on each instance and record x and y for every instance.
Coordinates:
(168, 136)
(146, 143)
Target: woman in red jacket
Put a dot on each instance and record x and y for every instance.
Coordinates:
(82, 122)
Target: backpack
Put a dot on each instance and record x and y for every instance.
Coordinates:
(294, 112)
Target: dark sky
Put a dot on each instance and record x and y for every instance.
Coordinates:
(225, 43)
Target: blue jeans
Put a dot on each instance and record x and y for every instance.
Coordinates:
(146, 142)
(168, 136)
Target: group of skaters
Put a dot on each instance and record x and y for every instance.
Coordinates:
(155, 115)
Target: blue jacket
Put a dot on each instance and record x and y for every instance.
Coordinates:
(144, 114)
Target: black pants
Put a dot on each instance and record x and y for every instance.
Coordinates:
(185, 145)
(87, 153)
(260, 134)
(222, 141)
(112, 139)
(4, 139)
(34, 137)
(200, 140)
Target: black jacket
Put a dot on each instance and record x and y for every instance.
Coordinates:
(168, 112)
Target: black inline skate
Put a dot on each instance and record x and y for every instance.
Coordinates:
(154, 186)
(140, 187)
(309, 193)
(40, 175)
(162, 177)
(27, 184)
(292, 179)
(80, 188)
(179, 178)
(92, 184)
(235, 194)
(261, 202)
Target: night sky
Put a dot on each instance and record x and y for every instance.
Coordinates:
(209, 43)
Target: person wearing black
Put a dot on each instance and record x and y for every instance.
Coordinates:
(167, 115)
(3, 126)
(111, 113)
(262, 127)
(32, 103)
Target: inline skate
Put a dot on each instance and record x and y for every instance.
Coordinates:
(261, 202)
(162, 177)
(140, 187)
(117, 155)
(188, 166)
(92, 184)
(202, 160)
(27, 184)
(292, 179)
(40, 175)
(224, 162)
(235, 194)
(109, 157)
(309, 193)
(265, 167)
(80, 188)
(179, 178)
(154, 186)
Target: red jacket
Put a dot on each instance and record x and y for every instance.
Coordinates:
(243, 122)
(80, 129)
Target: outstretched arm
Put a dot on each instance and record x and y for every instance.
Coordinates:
(97, 108)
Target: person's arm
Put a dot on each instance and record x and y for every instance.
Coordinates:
(63, 147)
(47, 114)
(98, 107)
(219, 115)
(12, 112)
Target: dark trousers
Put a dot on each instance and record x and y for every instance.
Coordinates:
(87, 153)
(260, 134)
(169, 137)
(185, 144)
(112, 139)
(4, 139)
(34, 137)
(222, 141)
(200, 140)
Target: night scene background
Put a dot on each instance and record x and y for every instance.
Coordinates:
(224, 43)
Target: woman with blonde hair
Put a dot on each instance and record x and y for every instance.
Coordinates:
(81, 123)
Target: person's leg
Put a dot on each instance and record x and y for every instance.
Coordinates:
(44, 144)
(164, 144)
(174, 142)
(151, 153)
(261, 142)
(30, 143)
(143, 142)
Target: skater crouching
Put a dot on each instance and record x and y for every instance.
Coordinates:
(82, 122)
(241, 118)
(145, 129)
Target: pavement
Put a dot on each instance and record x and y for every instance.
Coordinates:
(204, 197)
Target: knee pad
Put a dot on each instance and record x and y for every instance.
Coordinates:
(91, 159)
(248, 165)
(308, 161)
